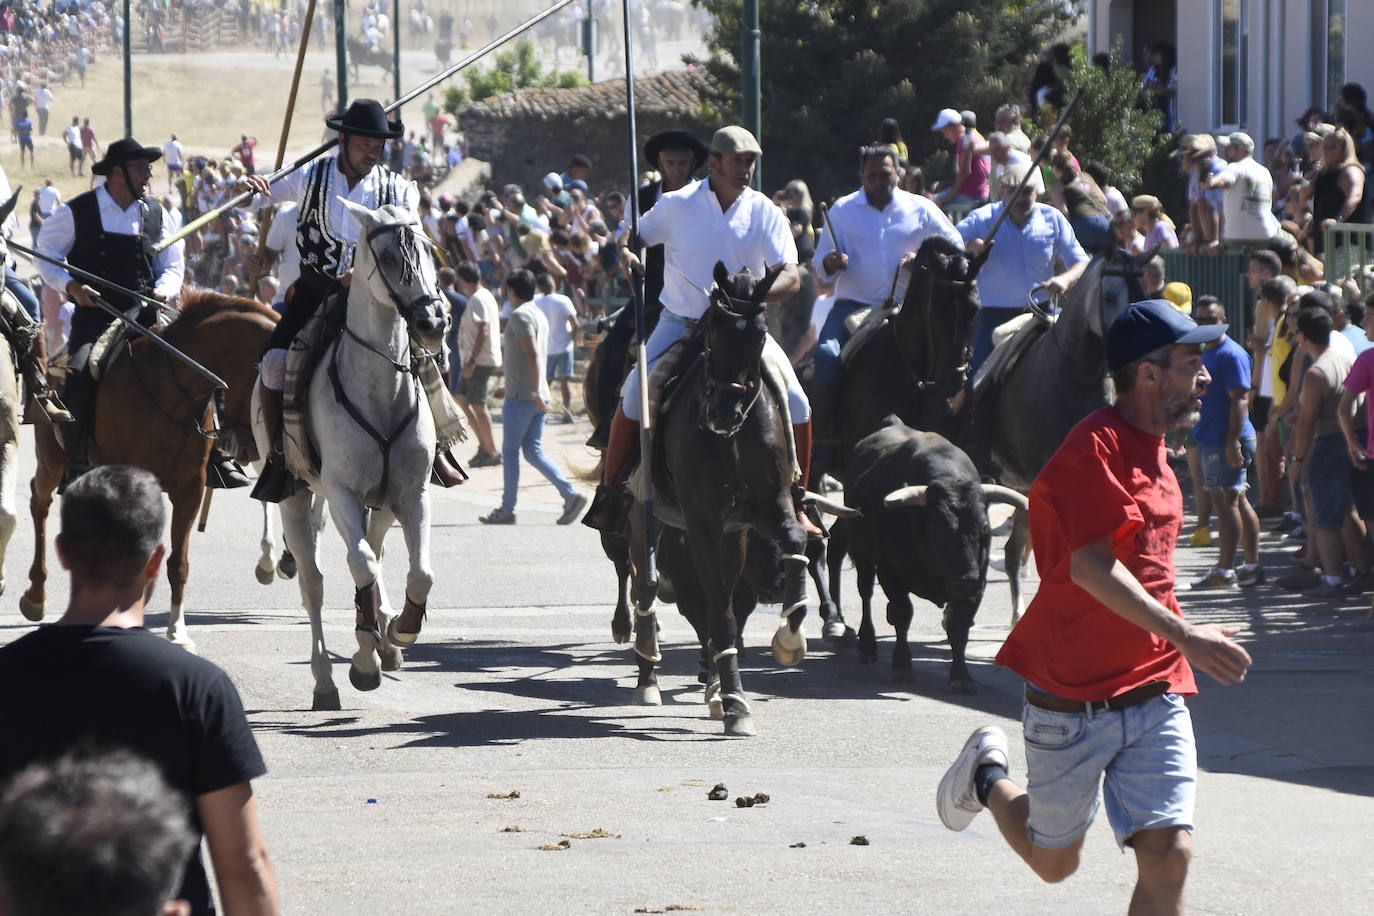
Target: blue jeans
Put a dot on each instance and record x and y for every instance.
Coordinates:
(522, 430)
(24, 294)
(1091, 232)
(831, 340)
(989, 319)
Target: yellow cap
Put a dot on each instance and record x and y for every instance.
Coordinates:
(1181, 295)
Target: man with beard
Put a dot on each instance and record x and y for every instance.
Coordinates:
(110, 231)
(325, 236)
(1104, 647)
(676, 154)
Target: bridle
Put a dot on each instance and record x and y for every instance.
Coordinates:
(410, 249)
(752, 387)
(959, 374)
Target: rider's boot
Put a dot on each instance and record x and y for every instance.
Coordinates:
(79, 395)
(222, 471)
(275, 483)
(41, 395)
(612, 499)
(801, 434)
(446, 472)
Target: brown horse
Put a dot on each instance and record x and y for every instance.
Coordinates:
(152, 411)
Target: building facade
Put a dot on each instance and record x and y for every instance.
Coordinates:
(1252, 65)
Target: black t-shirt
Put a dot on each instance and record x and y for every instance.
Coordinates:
(77, 687)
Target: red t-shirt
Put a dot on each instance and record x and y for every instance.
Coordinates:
(1108, 479)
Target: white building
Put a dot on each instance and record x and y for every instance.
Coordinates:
(1254, 65)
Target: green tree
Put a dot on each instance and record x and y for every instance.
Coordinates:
(1110, 125)
(832, 70)
(511, 70)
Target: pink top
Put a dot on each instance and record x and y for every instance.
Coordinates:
(1361, 381)
(976, 184)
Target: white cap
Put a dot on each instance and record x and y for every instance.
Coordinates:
(553, 181)
(945, 118)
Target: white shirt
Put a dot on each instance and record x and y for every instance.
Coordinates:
(48, 199)
(876, 240)
(482, 310)
(1248, 203)
(58, 235)
(695, 234)
(43, 98)
(292, 188)
(281, 236)
(72, 135)
(557, 308)
(172, 152)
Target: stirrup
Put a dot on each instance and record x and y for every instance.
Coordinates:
(275, 483)
(608, 509)
(222, 472)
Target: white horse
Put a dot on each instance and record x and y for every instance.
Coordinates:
(373, 429)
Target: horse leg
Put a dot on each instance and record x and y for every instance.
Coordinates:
(301, 525)
(899, 613)
(834, 629)
(868, 637)
(719, 560)
(958, 622)
(1014, 554)
(836, 548)
(265, 570)
(789, 642)
(45, 480)
(617, 549)
(642, 593)
(378, 524)
(185, 505)
(350, 519)
(9, 516)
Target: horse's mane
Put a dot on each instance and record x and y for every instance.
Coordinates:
(953, 260)
(198, 305)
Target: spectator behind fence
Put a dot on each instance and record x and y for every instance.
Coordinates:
(1199, 161)
(97, 677)
(1338, 190)
(99, 827)
(1248, 201)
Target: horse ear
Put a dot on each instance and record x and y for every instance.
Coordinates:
(770, 277)
(1144, 257)
(721, 276)
(979, 259)
(365, 217)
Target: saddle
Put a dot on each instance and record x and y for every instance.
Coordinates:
(303, 359)
(862, 325)
(1009, 341)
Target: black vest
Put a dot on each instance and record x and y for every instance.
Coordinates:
(653, 254)
(123, 259)
(323, 251)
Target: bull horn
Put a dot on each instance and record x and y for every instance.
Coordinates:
(906, 496)
(995, 494)
(830, 507)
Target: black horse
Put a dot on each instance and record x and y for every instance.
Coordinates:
(721, 457)
(1059, 379)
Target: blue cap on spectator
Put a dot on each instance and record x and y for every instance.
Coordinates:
(1147, 326)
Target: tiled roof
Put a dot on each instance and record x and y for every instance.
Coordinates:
(675, 93)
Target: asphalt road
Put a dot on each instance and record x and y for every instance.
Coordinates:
(517, 686)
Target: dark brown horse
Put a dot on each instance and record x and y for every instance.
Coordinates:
(151, 411)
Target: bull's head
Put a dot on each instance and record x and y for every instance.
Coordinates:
(961, 550)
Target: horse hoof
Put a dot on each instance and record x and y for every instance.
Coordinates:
(182, 640)
(740, 726)
(648, 696)
(965, 686)
(32, 610)
(327, 701)
(835, 631)
(620, 636)
(286, 566)
(391, 659)
(716, 709)
(264, 574)
(404, 640)
(902, 676)
(361, 680)
(786, 654)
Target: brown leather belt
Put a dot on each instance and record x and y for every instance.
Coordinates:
(1134, 697)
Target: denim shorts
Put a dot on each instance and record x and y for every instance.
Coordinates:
(560, 365)
(1217, 474)
(1146, 752)
(1328, 477)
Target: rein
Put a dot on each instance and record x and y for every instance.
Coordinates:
(384, 442)
(755, 382)
(961, 371)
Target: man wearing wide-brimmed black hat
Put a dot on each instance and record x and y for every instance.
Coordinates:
(325, 236)
(110, 231)
(676, 154)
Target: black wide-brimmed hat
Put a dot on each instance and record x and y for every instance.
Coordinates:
(675, 139)
(366, 118)
(125, 150)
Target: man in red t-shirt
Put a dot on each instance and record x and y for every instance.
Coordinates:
(1104, 648)
(245, 152)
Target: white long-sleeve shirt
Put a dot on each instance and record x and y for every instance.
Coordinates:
(58, 235)
(292, 187)
(875, 241)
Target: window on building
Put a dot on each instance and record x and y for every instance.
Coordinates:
(1327, 51)
(1232, 61)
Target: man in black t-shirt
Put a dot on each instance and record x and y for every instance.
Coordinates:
(97, 680)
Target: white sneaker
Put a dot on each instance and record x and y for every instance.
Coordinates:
(957, 800)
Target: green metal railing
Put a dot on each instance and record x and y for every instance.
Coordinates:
(1350, 255)
(1222, 276)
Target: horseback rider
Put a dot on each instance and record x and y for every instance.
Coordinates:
(867, 249)
(721, 219)
(676, 154)
(110, 232)
(325, 236)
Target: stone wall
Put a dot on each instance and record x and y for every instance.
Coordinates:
(526, 134)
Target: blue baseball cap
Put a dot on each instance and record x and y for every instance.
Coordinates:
(1147, 326)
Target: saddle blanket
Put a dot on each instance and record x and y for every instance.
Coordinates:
(1009, 341)
(862, 325)
(302, 458)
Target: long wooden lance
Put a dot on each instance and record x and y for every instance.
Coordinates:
(256, 274)
(1035, 163)
(96, 279)
(241, 199)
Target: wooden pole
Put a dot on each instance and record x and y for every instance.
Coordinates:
(266, 224)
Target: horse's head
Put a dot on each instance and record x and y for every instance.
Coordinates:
(393, 259)
(735, 329)
(1122, 283)
(936, 323)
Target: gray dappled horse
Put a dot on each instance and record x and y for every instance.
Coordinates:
(371, 424)
(1060, 379)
